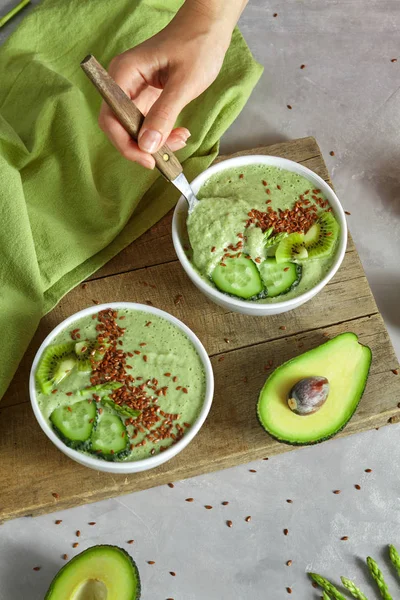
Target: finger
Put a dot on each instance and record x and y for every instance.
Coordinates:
(178, 138)
(122, 141)
(161, 117)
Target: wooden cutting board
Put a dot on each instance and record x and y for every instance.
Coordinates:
(32, 469)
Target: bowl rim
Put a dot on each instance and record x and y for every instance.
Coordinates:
(283, 163)
(136, 465)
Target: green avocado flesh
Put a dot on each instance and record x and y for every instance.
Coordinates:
(99, 573)
(344, 362)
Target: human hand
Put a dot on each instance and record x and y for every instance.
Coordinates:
(161, 76)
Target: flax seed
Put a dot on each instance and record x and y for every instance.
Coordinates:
(289, 563)
(344, 538)
(65, 556)
(358, 487)
(395, 371)
(289, 106)
(248, 519)
(78, 533)
(252, 471)
(92, 523)
(229, 523)
(332, 153)
(36, 568)
(368, 470)
(225, 503)
(289, 590)
(55, 495)
(221, 358)
(171, 485)
(189, 499)
(208, 506)
(151, 562)
(336, 491)
(285, 531)
(283, 327)
(75, 545)
(184, 390)
(289, 501)
(302, 66)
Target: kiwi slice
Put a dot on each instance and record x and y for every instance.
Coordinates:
(291, 249)
(89, 352)
(321, 238)
(56, 363)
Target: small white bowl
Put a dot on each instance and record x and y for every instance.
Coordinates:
(127, 466)
(180, 237)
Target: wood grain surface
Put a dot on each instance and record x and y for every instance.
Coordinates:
(32, 469)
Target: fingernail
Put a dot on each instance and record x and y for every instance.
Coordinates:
(149, 140)
(179, 144)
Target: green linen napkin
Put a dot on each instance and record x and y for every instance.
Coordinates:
(68, 201)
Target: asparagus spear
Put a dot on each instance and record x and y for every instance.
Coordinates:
(354, 591)
(13, 12)
(325, 596)
(395, 558)
(378, 577)
(327, 586)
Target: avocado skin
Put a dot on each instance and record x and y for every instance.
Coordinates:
(50, 591)
(327, 437)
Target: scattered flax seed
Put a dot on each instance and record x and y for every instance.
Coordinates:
(283, 327)
(84, 286)
(289, 563)
(225, 503)
(178, 299)
(172, 573)
(78, 533)
(184, 390)
(275, 14)
(289, 106)
(37, 568)
(189, 500)
(248, 519)
(229, 523)
(95, 301)
(289, 501)
(285, 531)
(145, 357)
(65, 556)
(266, 458)
(54, 391)
(252, 471)
(151, 562)
(58, 521)
(393, 60)
(395, 371)
(332, 153)
(368, 470)
(143, 344)
(286, 269)
(148, 324)
(55, 495)
(68, 394)
(149, 303)
(337, 491)
(346, 212)
(302, 66)
(92, 523)
(394, 419)
(208, 506)
(314, 584)
(227, 340)
(171, 485)
(241, 176)
(75, 545)
(358, 487)
(213, 249)
(289, 590)
(344, 538)
(130, 541)
(221, 358)
(245, 379)
(264, 183)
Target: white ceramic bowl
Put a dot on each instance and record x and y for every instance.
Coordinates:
(128, 466)
(180, 237)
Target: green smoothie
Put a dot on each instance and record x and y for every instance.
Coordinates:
(158, 369)
(223, 224)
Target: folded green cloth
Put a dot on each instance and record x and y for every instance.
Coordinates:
(68, 201)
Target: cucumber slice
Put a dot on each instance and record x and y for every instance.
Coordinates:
(279, 278)
(74, 424)
(110, 438)
(240, 278)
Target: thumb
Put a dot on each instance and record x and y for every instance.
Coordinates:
(161, 118)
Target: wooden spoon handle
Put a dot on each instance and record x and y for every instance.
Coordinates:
(128, 114)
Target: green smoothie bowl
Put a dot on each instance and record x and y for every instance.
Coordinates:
(121, 387)
(267, 235)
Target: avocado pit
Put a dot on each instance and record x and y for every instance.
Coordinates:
(308, 395)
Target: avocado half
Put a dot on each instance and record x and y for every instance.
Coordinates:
(345, 363)
(98, 573)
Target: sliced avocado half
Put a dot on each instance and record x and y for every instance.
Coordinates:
(345, 363)
(98, 573)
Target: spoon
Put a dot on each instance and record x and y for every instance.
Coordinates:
(131, 120)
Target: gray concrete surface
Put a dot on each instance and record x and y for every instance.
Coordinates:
(348, 97)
